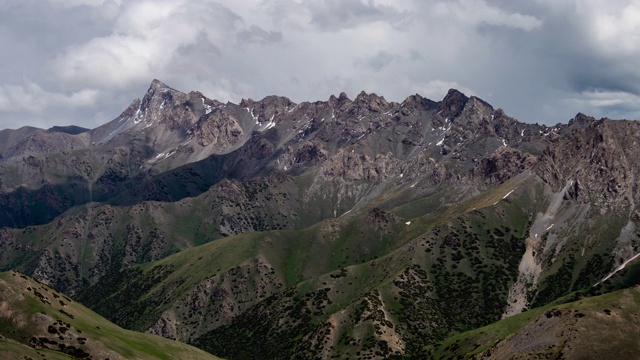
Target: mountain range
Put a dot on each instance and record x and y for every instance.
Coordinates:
(333, 229)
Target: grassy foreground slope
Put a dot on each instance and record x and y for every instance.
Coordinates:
(39, 322)
(605, 326)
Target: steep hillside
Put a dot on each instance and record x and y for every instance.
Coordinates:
(596, 327)
(39, 322)
(369, 282)
(78, 248)
(590, 226)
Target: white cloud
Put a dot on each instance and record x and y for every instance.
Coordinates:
(602, 99)
(617, 29)
(145, 40)
(33, 99)
(256, 34)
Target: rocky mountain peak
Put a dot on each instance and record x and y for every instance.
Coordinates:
(452, 104)
(474, 113)
(371, 101)
(454, 97)
(581, 120)
(163, 104)
(415, 99)
(342, 102)
(281, 101)
(158, 89)
(343, 96)
(269, 109)
(362, 96)
(247, 102)
(415, 104)
(158, 85)
(272, 105)
(197, 95)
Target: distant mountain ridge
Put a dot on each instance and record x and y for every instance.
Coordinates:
(362, 228)
(168, 130)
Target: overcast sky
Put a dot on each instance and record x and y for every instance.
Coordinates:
(82, 62)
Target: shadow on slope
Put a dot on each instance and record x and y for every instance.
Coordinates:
(35, 319)
(602, 326)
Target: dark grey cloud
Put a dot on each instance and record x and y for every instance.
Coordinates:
(571, 44)
(581, 60)
(84, 61)
(334, 15)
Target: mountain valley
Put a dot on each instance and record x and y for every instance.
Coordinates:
(331, 229)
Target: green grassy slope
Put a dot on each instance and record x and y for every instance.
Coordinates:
(37, 320)
(448, 274)
(450, 271)
(10, 349)
(605, 326)
(375, 282)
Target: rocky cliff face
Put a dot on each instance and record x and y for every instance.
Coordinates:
(599, 158)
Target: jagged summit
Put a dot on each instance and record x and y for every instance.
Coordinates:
(270, 100)
(363, 96)
(372, 101)
(453, 103)
(180, 128)
(158, 85)
(343, 97)
(581, 120)
(168, 129)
